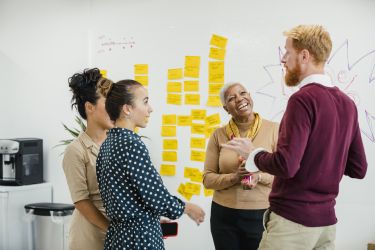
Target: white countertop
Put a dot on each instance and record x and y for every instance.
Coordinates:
(24, 187)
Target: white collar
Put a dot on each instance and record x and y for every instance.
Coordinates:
(316, 78)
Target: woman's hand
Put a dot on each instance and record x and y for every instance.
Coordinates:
(241, 172)
(164, 219)
(255, 178)
(195, 212)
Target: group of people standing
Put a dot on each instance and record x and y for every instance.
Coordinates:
(118, 194)
(275, 185)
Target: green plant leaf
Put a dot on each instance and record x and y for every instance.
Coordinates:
(63, 143)
(74, 132)
(81, 123)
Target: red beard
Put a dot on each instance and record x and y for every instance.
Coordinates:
(292, 76)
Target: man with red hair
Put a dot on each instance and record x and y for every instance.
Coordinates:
(319, 142)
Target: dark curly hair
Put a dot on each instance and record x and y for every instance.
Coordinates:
(84, 88)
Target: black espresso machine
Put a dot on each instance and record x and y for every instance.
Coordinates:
(21, 161)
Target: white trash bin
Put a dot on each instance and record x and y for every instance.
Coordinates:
(48, 225)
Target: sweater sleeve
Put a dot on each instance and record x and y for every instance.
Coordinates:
(356, 164)
(212, 178)
(267, 179)
(293, 135)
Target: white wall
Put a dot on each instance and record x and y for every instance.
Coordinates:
(43, 42)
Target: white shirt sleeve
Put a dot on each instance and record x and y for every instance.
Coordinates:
(250, 164)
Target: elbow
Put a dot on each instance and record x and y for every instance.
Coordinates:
(207, 184)
(364, 171)
(210, 183)
(292, 169)
(356, 175)
(360, 174)
(289, 174)
(288, 168)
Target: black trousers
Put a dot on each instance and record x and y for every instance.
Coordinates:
(236, 229)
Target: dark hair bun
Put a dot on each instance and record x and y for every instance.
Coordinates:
(83, 86)
(87, 79)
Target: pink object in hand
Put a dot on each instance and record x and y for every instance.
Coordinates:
(246, 182)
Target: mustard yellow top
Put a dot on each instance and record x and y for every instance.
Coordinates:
(220, 166)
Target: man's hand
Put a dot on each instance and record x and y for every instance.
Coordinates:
(243, 146)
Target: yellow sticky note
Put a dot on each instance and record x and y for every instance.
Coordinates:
(198, 114)
(214, 101)
(169, 119)
(170, 144)
(216, 72)
(208, 192)
(168, 131)
(189, 188)
(167, 170)
(142, 80)
(181, 189)
(213, 120)
(103, 72)
(216, 53)
(189, 172)
(198, 128)
(210, 130)
(196, 155)
(175, 99)
(197, 177)
(192, 64)
(192, 188)
(174, 87)
(191, 86)
(184, 120)
(187, 196)
(174, 74)
(197, 142)
(214, 88)
(141, 69)
(192, 99)
(169, 156)
(218, 41)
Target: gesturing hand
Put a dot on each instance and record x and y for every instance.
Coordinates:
(243, 146)
(195, 212)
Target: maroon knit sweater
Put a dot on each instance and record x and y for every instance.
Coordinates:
(319, 142)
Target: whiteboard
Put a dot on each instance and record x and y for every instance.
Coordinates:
(162, 33)
(42, 47)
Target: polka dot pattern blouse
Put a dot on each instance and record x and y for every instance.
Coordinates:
(133, 193)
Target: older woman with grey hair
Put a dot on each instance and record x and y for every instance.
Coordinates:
(240, 197)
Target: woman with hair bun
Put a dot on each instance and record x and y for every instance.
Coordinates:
(89, 222)
(133, 192)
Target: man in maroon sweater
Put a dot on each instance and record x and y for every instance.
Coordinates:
(319, 141)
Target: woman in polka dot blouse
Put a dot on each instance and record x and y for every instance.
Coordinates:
(133, 193)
